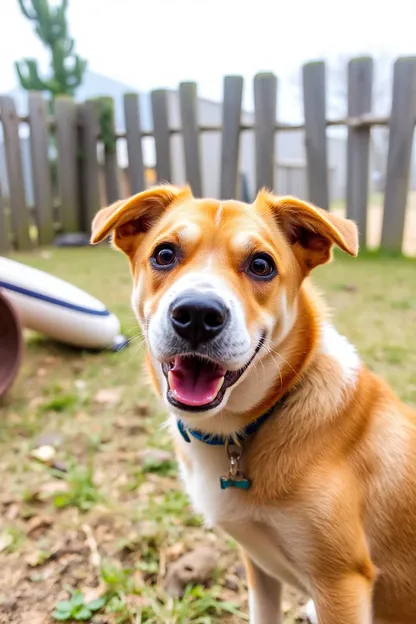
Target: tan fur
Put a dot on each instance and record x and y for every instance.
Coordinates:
(338, 461)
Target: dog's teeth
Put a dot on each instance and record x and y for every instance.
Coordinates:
(170, 379)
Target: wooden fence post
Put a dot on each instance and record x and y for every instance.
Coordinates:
(134, 143)
(314, 100)
(230, 138)
(19, 218)
(402, 126)
(265, 103)
(4, 230)
(41, 167)
(90, 203)
(160, 112)
(109, 142)
(190, 134)
(360, 82)
(67, 148)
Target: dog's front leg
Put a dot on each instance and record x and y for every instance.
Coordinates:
(345, 600)
(264, 595)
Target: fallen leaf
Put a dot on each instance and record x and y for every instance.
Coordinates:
(12, 511)
(108, 396)
(158, 456)
(51, 359)
(36, 558)
(191, 569)
(48, 489)
(38, 522)
(6, 539)
(175, 551)
(93, 593)
(142, 409)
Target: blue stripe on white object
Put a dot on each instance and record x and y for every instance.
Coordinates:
(58, 309)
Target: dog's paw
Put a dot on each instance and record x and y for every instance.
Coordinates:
(309, 612)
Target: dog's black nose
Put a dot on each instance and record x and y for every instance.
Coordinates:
(198, 318)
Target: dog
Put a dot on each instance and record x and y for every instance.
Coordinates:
(285, 440)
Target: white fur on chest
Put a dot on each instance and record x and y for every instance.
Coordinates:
(202, 483)
(261, 531)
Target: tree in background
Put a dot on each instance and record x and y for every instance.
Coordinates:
(67, 68)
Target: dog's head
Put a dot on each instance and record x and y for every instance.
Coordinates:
(215, 281)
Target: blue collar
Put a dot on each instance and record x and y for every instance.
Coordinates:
(219, 440)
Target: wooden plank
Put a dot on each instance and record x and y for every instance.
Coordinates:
(4, 228)
(363, 121)
(41, 167)
(360, 83)
(89, 180)
(189, 115)
(230, 136)
(19, 214)
(315, 132)
(134, 143)
(402, 126)
(265, 101)
(109, 141)
(67, 148)
(160, 114)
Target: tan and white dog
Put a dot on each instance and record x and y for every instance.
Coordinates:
(285, 440)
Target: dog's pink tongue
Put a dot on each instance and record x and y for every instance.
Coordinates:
(195, 382)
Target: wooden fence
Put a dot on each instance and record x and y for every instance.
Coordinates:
(68, 194)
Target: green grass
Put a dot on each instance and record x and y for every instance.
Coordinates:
(136, 507)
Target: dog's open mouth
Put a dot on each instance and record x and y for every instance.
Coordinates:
(196, 383)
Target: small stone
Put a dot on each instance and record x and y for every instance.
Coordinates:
(44, 454)
(192, 569)
(108, 396)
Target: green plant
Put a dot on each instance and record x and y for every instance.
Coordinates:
(11, 539)
(120, 583)
(81, 490)
(118, 580)
(198, 604)
(166, 467)
(76, 609)
(67, 68)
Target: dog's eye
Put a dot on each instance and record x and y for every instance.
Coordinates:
(164, 256)
(262, 266)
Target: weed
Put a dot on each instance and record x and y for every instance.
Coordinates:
(81, 492)
(60, 403)
(76, 609)
(11, 539)
(198, 604)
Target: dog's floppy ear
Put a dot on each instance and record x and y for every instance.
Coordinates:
(310, 230)
(132, 217)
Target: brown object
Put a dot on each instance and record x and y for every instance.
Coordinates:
(11, 344)
(193, 568)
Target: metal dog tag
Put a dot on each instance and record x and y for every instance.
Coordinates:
(235, 477)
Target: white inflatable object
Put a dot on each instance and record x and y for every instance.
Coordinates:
(58, 309)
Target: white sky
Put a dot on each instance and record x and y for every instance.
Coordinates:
(158, 43)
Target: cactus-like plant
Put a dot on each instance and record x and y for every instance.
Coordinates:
(67, 68)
